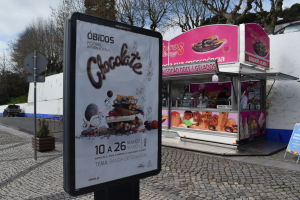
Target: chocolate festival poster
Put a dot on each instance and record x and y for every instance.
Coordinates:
(116, 130)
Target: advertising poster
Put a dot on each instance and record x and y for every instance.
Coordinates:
(165, 52)
(252, 123)
(245, 125)
(215, 42)
(294, 143)
(210, 121)
(261, 122)
(257, 45)
(116, 103)
(165, 117)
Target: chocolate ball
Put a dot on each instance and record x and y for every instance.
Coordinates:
(91, 110)
(109, 93)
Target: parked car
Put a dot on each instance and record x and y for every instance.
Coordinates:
(293, 27)
(12, 110)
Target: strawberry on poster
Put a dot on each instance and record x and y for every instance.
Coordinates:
(116, 98)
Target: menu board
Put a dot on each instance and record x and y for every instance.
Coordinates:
(294, 143)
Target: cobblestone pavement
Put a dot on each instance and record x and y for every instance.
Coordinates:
(184, 175)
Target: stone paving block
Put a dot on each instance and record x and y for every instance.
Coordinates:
(184, 175)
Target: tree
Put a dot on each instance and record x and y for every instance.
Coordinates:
(130, 12)
(101, 8)
(293, 11)
(189, 14)
(12, 84)
(154, 14)
(59, 14)
(40, 36)
(268, 19)
(229, 10)
(157, 12)
(4, 96)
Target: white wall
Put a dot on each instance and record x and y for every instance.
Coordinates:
(49, 97)
(283, 102)
(51, 89)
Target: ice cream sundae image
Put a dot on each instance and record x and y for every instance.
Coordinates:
(253, 127)
(208, 44)
(259, 48)
(247, 127)
(261, 123)
(242, 134)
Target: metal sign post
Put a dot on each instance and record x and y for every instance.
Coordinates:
(35, 66)
(34, 75)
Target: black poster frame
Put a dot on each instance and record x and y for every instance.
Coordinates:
(69, 103)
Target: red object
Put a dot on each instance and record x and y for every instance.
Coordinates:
(155, 124)
(135, 130)
(111, 113)
(257, 61)
(90, 133)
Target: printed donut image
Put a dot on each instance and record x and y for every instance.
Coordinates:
(259, 48)
(208, 44)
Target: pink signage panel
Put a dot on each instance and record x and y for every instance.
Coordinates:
(165, 52)
(165, 116)
(252, 123)
(188, 69)
(218, 42)
(257, 43)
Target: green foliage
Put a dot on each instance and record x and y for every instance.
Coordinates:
(293, 11)
(13, 85)
(214, 20)
(44, 130)
(20, 99)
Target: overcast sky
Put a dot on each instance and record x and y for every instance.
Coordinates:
(15, 15)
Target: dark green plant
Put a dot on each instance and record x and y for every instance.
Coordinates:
(44, 130)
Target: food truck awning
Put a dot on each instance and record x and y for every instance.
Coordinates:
(271, 76)
(276, 76)
(191, 76)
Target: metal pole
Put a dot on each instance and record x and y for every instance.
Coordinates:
(34, 76)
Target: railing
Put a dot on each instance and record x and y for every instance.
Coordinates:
(55, 124)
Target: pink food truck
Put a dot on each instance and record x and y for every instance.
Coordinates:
(214, 83)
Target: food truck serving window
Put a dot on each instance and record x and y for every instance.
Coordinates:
(201, 95)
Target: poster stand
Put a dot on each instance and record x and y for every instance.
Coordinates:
(128, 191)
(112, 107)
(294, 143)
